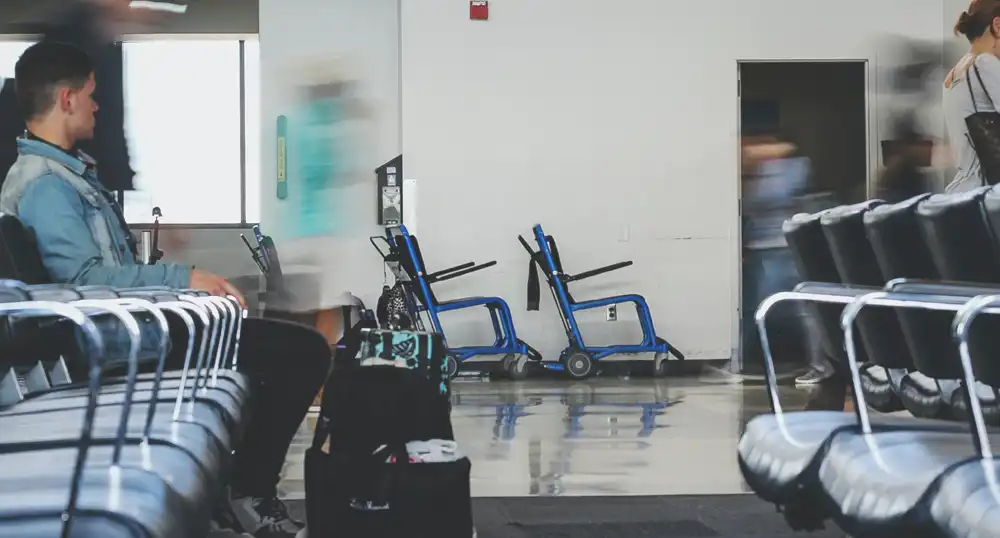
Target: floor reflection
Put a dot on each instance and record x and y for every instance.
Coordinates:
(601, 437)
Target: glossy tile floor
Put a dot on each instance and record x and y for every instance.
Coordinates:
(673, 436)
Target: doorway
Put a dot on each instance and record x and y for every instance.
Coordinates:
(820, 108)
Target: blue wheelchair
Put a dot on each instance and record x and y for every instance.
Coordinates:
(404, 254)
(578, 359)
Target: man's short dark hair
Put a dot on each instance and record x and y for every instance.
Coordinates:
(42, 69)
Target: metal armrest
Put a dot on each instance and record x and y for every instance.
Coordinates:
(595, 272)
(445, 272)
(457, 274)
(930, 287)
(832, 288)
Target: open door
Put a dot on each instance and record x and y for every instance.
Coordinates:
(820, 109)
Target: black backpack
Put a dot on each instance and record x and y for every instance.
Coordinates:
(391, 310)
(386, 389)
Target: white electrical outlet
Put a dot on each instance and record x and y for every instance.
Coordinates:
(613, 313)
(626, 234)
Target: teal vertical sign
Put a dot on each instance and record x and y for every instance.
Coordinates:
(282, 157)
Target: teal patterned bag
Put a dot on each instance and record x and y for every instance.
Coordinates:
(408, 349)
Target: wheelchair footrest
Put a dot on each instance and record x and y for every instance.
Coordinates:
(673, 351)
(533, 353)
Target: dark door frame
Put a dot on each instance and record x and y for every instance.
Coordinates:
(871, 120)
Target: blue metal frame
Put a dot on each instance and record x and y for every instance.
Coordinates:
(506, 341)
(651, 343)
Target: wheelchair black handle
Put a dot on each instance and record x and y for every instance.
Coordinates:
(595, 272)
(464, 272)
(526, 246)
(443, 272)
(384, 253)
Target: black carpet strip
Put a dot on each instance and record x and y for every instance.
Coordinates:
(688, 516)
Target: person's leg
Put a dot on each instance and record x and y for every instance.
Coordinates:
(330, 323)
(782, 276)
(753, 274)
(820, 366)
(288, 363)
(830, 393)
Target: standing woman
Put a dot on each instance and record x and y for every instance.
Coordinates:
(973, 87)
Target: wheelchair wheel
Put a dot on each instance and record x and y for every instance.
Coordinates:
(516, 367)
(579, 364)
(660, 365)
(451, 366)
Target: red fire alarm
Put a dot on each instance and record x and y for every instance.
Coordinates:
(479, 10)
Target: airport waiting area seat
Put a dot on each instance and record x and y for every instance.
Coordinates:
(120, 409)
(891, 475)
(132, 455)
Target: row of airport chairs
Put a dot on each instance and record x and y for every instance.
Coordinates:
(898, 287)
(117, 452)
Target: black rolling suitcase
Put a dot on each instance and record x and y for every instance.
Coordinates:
(386, 397)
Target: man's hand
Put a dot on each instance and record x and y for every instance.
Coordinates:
(215, 284)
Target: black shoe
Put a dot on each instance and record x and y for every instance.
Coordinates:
(266, 517)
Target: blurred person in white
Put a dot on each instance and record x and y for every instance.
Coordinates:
(315, 225)
(973, 86)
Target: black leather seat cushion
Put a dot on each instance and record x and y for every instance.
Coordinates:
(84, 526)
(987, 402)
(228, 408)
(922, 397)
(967, 503)
(779, 459)
(878, 389)
(203, 435)
(882, 484)
(232, 382)
(25, 470)
(145, 507)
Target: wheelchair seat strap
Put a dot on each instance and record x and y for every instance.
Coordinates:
(534, 290)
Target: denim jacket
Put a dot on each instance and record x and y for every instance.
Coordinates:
(76, 223)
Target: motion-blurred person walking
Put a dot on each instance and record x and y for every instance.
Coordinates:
(95, 26)
(775, 178)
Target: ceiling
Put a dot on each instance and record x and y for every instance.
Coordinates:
(203, 16)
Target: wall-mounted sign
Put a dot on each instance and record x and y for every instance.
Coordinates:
(282, 157)
(390, 192)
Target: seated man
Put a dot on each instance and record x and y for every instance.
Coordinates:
(84, 240)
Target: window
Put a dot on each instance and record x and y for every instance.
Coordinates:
(183, 123)
(10, 51)
(251, 93)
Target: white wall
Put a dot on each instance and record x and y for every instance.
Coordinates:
(614, 124)
(366, 36)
